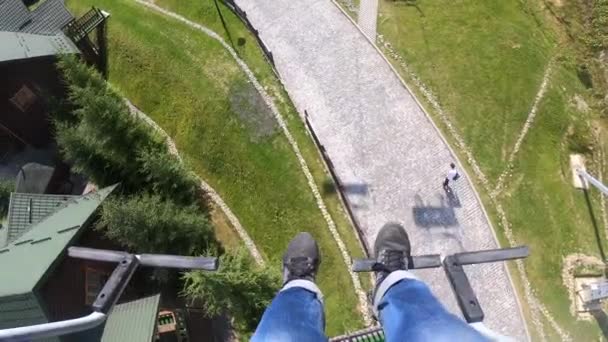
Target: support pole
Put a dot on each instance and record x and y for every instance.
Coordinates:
(102, 42)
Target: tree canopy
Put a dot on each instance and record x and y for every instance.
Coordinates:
(148, 224)
(239, 288)
(104, 141)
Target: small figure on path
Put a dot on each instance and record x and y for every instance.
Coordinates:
(453, 175)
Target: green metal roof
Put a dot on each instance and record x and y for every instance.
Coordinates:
(20, 310)
(48, 18)
(133, 321)
(17, 45)
(25, 262)
(26, 33)
(34, 178)
(25, 210)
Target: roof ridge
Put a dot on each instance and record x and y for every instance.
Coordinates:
(28, 209)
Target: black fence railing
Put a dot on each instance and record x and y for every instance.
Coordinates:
(231, 4)
(243, 16)
(367, 335)
(77, 29)
(338, 182)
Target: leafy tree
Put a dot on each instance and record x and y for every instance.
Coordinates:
(104, 141)
(238, 288)
(149, 224)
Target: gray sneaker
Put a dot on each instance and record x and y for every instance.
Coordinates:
(392, 250)
(302, 259)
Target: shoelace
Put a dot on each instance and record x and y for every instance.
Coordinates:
(390, 261)
(300, 266)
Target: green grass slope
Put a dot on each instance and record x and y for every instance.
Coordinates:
(483, 59)
(193, 88)
(484, 62)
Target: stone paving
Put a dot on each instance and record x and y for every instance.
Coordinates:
(384, 148)
(368, 15)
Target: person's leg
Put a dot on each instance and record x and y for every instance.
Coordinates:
(446, 182)
(296, 313)
(404, 305)
(408, 311)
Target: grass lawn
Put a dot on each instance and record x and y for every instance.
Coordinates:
(351, 7)
(484, 61)
(205, 13)
(193, 88)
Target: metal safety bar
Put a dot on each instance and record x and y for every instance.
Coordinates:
(587, 177)
(452, 264)
(413, 262)
(491, 255)
(152, 260)
(111, 291)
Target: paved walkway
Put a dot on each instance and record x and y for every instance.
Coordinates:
(368, 15)
(383, 146)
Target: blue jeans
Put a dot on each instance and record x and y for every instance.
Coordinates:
(406, 308)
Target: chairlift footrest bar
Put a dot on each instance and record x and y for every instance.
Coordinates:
(181, 262)
(413, 262)
(114, 287)
(424, 261)
(152, 260)
(467, 301)
(96, 254)
(492, 255)
(364, 265)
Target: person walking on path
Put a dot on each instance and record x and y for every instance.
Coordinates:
(452, 176)
(404, 305)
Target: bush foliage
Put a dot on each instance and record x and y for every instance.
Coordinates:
(149, 224)
(599, 25)
(157, 211)
(238, 288)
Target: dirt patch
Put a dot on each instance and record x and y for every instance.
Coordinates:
(579, 103)
(557, 3)
(252, 110)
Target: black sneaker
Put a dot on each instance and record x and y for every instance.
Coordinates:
(302, 259)
(392, 250)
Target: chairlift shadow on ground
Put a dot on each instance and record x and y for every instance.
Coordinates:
(602, 320)
(428, 216)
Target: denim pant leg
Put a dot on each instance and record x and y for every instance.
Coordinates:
(295, 314)
(409, 311)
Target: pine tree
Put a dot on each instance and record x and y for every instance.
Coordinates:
(105, 142)
(168, 176)
(239, 288)
(149, 224)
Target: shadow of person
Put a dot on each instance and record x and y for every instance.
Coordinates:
(452, 198)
